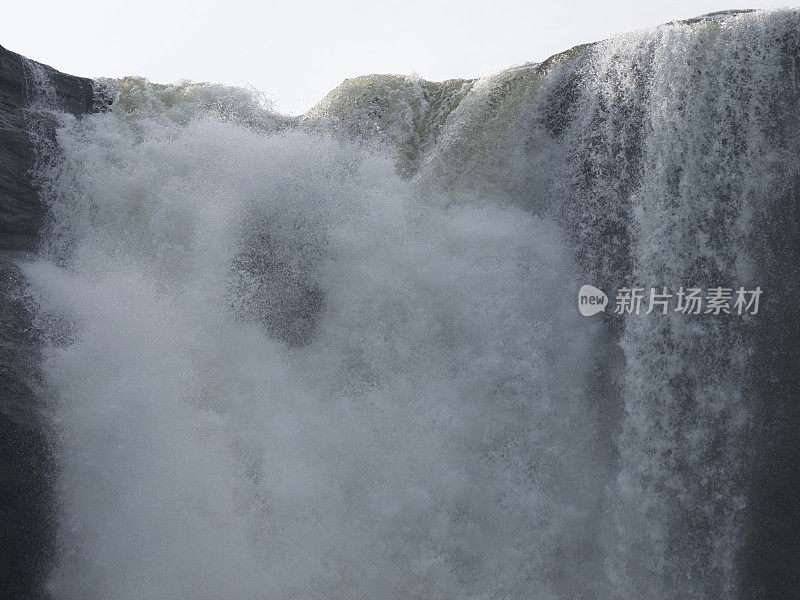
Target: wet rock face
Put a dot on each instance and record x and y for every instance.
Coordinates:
(20, 211)
(25, 463)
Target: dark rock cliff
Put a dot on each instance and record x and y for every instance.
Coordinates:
(25, 465)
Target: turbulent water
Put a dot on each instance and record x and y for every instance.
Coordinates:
(339, 356)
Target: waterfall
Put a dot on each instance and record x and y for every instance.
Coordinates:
(340, 356)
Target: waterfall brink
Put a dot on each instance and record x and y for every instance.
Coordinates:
(339, 356)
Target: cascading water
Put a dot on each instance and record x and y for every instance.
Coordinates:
(276, 368)
(416, 426)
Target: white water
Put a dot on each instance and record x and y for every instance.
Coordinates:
(279, 370)
(429, 439)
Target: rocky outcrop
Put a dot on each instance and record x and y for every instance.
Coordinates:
(25, 464)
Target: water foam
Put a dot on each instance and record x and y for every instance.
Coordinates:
(425, 435)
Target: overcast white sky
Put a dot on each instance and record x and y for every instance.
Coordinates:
(298, 51)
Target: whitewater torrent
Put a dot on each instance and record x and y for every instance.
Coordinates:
(339, 356)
